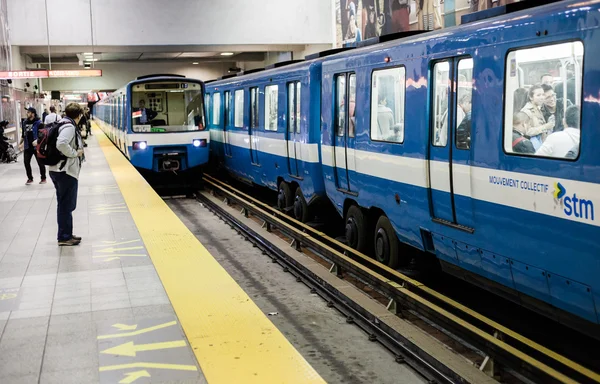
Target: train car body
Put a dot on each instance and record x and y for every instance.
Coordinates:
(265, 130)
(167, 137)
(524, 225)
(420, 144)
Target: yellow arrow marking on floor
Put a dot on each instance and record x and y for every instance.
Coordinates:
(7, 296)
(139, 332)
(113, 250)
(130, 349)
(133, 376)
(125, 327)
(177, 367)
(114, 243)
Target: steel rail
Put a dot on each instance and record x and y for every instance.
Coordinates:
(527, 356)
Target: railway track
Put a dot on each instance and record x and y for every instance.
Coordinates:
(498, 349)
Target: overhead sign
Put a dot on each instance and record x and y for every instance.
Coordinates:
(44, 74)
(77, 73)
(39, 74)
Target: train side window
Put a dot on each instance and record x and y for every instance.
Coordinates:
(239, 108)
(462, 114)
(388, 89)
(253, 107)
(542, 100)
(441, 92)
(227, 104)
(340, 107)
(271, 100)
(294, 107)
(216, 108)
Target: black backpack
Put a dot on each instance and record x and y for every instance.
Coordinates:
(46, 144)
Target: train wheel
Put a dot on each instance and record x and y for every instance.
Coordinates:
(356, 229)
(300, 207)
(285, 198)
(386, 243)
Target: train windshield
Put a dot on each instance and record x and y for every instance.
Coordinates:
(167, 106)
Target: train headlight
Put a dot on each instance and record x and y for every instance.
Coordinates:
(140, 145)
(199, 143)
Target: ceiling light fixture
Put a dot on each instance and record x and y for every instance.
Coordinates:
(88, 54)
(226, 53)
(195, 63)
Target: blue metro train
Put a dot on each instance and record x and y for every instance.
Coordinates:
(158, 123)
(464, 143)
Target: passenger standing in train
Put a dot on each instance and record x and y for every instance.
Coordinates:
(547, 79)
(554, 107)
(520, 143)
(385, 118)
(29, 137)
(538, 128)
(65, 174)
(560, 143)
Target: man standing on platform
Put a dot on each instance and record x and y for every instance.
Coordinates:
(65, 174)
(29, 136)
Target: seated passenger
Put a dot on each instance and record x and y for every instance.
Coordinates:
(385, 118)
(521, 143)
(398, 135)
(538, 128)
(147, 114)
(463, 132)
(554, 107)
(560, 143)
(573, 153)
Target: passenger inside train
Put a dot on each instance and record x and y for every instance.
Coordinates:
(537, 79)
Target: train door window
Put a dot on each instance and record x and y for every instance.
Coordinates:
(294, 107)
(227, 96)
(464, 104)
(542, 100)
(388, 91)
(441, 100)
(352, 104)
(239, 108)
(271, 100)
(207, 102)
(216, 108)
(253, 107)
(340, 107)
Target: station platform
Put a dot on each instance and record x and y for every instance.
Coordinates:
(139, 300)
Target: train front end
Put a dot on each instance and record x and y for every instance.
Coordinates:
(167, 127)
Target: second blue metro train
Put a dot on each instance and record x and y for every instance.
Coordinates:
(474, 143)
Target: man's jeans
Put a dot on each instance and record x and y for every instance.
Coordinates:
(66, 196)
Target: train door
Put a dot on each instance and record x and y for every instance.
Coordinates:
(449, 148)
(253, 128)
(293, 135)
(226, 122)
(176, 108)
(345, 99)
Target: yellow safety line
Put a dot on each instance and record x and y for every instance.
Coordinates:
(233, 340)
(506, 331)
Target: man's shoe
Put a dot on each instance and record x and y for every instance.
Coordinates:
(68, 243)
(76, 238)
(43, 181)
(29, 182)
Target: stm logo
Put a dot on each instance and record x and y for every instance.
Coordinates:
(574, 206)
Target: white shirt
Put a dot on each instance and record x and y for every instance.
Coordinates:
(559, 143)
(51, 118)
